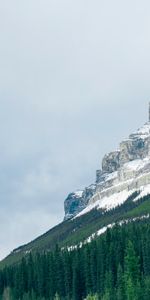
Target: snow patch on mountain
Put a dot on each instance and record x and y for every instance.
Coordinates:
(143, 131)
(104, 229)
(107, 203)
(137, 164)
(123, 172)
(78, 194)
(117, 199)
(109, 226)
(144, 191)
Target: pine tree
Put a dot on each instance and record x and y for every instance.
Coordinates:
(132, 275)
(93, 267)
(101, 265)
(109, 287)
(77, 282)
(87, 270)
(120, 292)
(131, 263)
(67, 275)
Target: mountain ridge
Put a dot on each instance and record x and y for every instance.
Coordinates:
(120, 194)
(123, 171)
(71, 233)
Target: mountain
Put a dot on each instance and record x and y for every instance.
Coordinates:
(123, 172)
(119, 195)
(102, 248)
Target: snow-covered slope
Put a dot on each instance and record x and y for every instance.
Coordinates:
(123, 172)
(104, 229)
(116, 199)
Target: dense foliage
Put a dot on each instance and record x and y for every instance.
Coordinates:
(115, 266)
(74, 231)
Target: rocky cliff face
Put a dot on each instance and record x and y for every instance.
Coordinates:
(123, 171)
(77, 201)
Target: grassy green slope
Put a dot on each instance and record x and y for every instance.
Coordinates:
(72, 232)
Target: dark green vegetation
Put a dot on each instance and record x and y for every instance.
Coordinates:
(115, 266)
(72, 232)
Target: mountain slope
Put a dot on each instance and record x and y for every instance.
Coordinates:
(123, 172)
(76, 231)
(121, 194)
(115, 266)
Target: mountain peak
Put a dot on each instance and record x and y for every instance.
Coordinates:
(123, 172)
(142, 132)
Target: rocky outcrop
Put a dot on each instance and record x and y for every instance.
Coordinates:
(77, 201)
(128, 168)
(73, 204)
(111, 162)
(136, 147)
(133, 149)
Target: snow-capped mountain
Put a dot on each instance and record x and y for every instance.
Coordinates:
(120, 195)
(123, 172)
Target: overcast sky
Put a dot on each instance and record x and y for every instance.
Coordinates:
(74, 81)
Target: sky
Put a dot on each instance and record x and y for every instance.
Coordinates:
(74, 81)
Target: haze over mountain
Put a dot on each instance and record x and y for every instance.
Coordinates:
(71, 75)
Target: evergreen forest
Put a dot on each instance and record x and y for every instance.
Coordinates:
(114, 266)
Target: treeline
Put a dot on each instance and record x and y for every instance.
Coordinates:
(115, 266)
